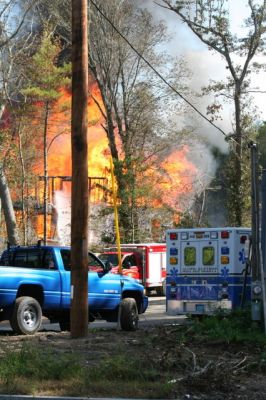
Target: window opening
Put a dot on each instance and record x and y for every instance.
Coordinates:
(190, 256)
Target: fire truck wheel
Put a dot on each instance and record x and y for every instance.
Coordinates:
(161, 291)
(129, 318)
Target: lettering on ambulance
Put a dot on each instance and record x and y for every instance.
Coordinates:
(203, 292)
(199, 292)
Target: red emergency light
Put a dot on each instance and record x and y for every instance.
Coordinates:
(243, 239)
(173, 236)
(224, 234)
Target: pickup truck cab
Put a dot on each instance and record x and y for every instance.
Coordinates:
(35, 282)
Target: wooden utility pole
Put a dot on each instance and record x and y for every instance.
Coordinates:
(79, 194)
(45, 170)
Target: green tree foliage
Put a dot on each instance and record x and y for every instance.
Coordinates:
(261, 139)
(136, 105)
(209, 20)
(136, 124)
(44, 77)
(11, 33)
(43, 80)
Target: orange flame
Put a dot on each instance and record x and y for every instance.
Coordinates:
(175, 178)
(179, 176)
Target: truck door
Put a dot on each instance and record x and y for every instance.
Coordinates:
(103, 292)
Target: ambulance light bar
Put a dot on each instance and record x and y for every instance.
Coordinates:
(199, 235)
(214, 235)
(184, 235)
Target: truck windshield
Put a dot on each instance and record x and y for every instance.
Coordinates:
(93, 263)
(112, 258)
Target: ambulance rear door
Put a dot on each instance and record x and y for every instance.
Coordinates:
(199, 256)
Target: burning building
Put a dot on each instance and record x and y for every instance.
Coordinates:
(174, 180)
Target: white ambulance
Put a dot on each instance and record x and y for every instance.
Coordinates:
(206, 269)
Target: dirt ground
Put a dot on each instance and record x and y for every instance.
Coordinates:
(195, 370)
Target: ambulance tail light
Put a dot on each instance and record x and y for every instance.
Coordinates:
(243, 239)
(173, 260)
(225, 235)
(224, 260)
(173, 236)
(224, 291)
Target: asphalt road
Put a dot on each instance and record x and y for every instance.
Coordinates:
(154, 315)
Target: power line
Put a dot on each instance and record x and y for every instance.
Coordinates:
(158, 73)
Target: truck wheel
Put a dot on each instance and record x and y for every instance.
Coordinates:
(26, 318)
(161, 290)
(129, 318)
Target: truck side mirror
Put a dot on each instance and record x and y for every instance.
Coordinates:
(127, 264)
(107, 266)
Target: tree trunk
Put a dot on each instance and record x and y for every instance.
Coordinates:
(7, 205)
(8, 209)
(79, 198)
(238, 159)
(23, 178)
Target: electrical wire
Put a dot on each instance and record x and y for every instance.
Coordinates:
(159, 74)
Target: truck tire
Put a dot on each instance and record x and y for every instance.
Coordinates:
(26, 318)
(129, 318)
(161, 290)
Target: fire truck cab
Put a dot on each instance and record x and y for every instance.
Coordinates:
(206, 269)
(145, 262)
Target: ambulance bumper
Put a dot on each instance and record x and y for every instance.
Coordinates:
(175, 307)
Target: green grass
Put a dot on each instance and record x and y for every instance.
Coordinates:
(139, 366)
(35, 370)
(125, 377)
(236, 327)
(28, 369)
(32, 363)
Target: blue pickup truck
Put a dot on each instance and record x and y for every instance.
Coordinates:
(35, 282)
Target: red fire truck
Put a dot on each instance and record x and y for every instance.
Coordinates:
(145, 262)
